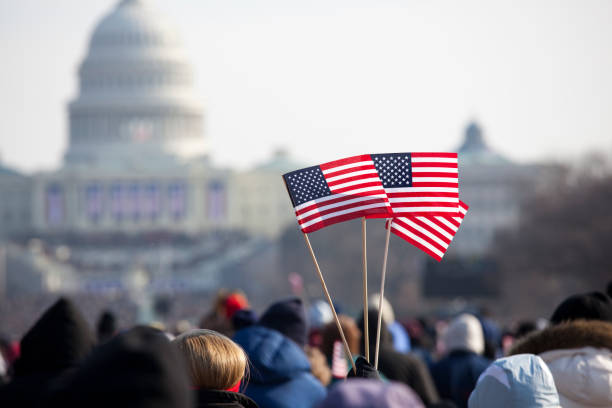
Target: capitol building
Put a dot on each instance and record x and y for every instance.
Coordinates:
(137, 155)
(137, 169)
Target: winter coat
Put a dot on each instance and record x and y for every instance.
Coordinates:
(579, 355)
(58, 341)
(521, 381)
(456, 374)
(223, 399)
(136, 369)
(396, 366)
(280, 374)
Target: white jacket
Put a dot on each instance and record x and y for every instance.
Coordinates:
(583, 376)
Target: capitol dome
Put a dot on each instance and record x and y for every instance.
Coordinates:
(136, 98)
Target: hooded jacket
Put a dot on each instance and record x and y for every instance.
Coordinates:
(456, 374)
(579, 355)
(521, 381)
(405, 368)
(223, 399)
(280, 372)
(136, 369)
(58, 341)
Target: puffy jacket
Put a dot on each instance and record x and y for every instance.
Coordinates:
(579, 355)
(280, 372)
(521, 381)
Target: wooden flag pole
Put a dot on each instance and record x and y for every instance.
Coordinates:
(366, 335)
(382, 293)
(347, 350)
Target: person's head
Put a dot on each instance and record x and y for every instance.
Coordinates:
(464, 333)
(214, 361)
(523, 380)
(331, 334)
(288, 317)
(588, 306)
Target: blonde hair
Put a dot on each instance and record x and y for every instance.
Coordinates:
(215, 362)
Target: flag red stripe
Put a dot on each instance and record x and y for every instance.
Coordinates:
(341, 218)
(353, 178)
(435, 164)
(430, 184)
(345, 161)
(350, 170)
(434, 154)
(432, 174)
(416, 244)
(421, 235)
(423, 194)
(432, 230)
(362, 185)
(340, 208)
(426, 204)
(334, 201)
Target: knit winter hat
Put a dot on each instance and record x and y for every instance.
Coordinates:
(464, 333)
(234, 303)
(243, 318)
(589, 306)
(289, 318)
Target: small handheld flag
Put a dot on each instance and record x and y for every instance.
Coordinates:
(420, 183)
(337, 191)
(431, 234)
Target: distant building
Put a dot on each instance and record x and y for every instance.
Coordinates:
(494, 187)
(137, 159)
(15, 202)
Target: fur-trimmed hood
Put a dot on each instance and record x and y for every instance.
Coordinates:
(571, 335)
(579, 355)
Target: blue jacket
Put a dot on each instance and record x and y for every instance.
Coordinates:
(280, 371)
(456, 375)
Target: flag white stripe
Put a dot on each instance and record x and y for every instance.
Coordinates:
(347, 194)
(423, 190)
(352, 174)
(423, 231)
(355, 182)
(417, 239)
(434, 170)
(435, 179)
(434, 160)
(338, 204)
(447, 223)
(435, 226)
(423, 199)
(338, 213)
(450, 210)
(348, 166)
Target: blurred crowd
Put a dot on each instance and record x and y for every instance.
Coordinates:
(293, 354)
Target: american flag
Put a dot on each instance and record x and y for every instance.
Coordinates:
(337, 191)
(431, 234)
(339, 366)
(420, 183)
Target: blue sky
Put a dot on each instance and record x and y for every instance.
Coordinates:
(330, 78)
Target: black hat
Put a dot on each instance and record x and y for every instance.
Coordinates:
(590, 306)
(289, 318)
(137, 368)
(59, 340)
